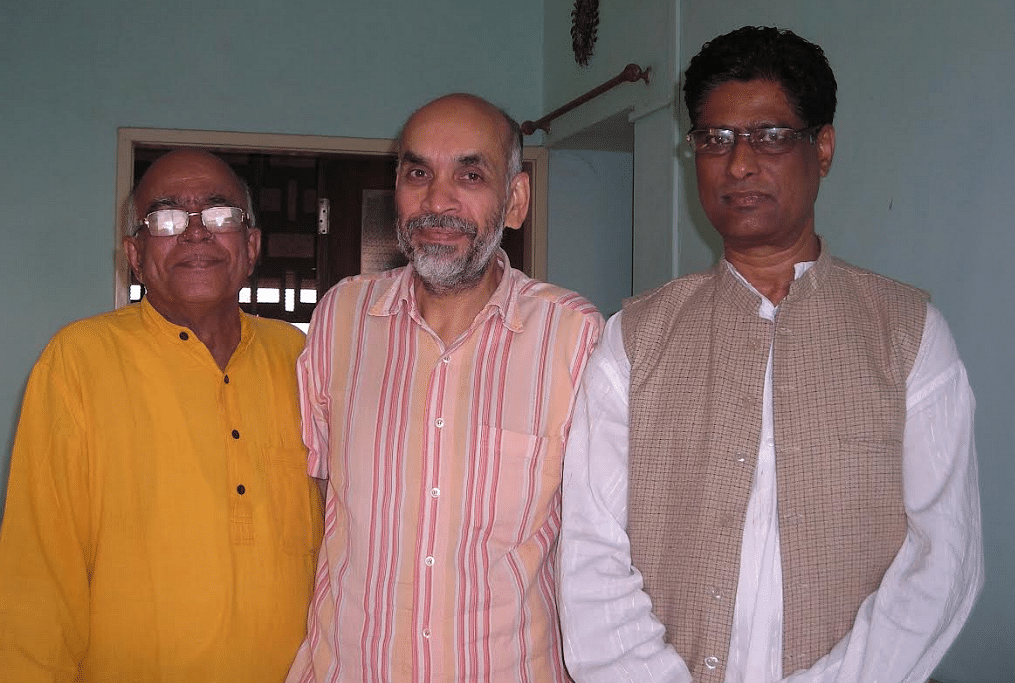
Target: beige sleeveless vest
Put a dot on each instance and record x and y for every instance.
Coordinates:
(844, 341)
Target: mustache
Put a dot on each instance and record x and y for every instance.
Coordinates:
(444, 222)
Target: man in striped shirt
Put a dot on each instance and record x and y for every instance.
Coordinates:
(436, 402)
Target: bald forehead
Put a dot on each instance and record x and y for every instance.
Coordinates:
(188, 177)
(466, 114)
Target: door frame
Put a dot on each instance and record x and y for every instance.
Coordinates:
(127, 139)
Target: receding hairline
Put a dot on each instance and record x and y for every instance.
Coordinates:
(509, 128)
(196, 152)
(130, 211)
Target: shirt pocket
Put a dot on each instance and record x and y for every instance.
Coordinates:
(295, 501)
(518, 475)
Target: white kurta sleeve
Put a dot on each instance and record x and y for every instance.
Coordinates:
(610, 634)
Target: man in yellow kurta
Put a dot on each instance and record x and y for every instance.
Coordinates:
(159, 524)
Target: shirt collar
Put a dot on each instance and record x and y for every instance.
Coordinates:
(806, 278)
(161, 327)
(503, 302)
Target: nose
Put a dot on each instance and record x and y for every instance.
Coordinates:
(742, 161)
(195, 231)
(440, 196)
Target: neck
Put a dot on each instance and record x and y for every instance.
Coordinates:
(217, 326)
(452, 313)
(771, 270)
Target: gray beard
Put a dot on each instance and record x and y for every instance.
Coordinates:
(438, 267)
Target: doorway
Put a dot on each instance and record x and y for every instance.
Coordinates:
(325, 207)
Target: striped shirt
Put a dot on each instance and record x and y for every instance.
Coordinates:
(444, 466)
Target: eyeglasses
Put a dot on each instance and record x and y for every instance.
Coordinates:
(217, 219)
(718, 141)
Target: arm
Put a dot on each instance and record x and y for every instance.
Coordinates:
(44, 543)
(313, 377)
(610, 634)
(905, 627)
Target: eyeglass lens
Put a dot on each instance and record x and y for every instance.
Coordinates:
(764, 140)
(218, 219)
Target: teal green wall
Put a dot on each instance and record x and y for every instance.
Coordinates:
(921, 190)
(72, 72)
(643, 33)
(589, 197)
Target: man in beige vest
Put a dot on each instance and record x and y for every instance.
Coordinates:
(771, 473)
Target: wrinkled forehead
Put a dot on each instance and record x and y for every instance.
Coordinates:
(188, 180)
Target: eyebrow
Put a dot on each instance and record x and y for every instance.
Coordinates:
(177, 202)
(474, 159)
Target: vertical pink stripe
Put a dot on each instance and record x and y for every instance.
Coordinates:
(494, 525)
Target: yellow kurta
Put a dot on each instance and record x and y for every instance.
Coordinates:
(160, 525)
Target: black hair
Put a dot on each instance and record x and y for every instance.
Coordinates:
(768, 53)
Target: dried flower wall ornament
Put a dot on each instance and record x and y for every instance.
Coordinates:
(584, 29)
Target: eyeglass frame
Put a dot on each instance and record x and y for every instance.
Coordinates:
(244, 221)
(798, 134)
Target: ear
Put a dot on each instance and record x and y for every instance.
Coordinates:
(826, 148)
(135, 253)
(518, 201)
(253, 248)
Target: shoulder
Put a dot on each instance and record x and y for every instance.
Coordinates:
(664, 300)
(356, 287)
(555, 296)
(276, 333)
(84, 347)
(108, 326)
(877, 283)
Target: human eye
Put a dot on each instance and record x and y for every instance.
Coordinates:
(472, 176)
(773, 139)
(222, 218)
(414, 173)
(716, 137)
(167, 222)
(712, 140)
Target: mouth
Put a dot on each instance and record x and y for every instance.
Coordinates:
(440, 236)
(746, 199)
(199, 261)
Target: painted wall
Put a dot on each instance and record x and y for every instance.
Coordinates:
(642, 33)
(71, 73)
(920, 190)
(590, 240)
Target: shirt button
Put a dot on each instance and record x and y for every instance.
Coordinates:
(740, 458)
(434, 492)
(426, 633)
(711, 662)
(241, 489)
(446, 359)
(226, 379)
(439, 422)
(429, 561)
(236, 434)
(184, 336)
